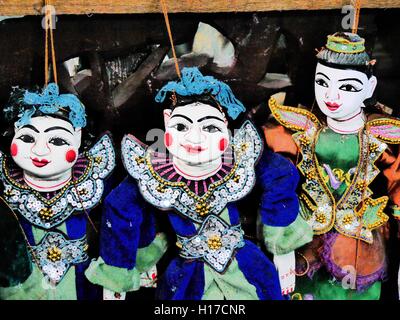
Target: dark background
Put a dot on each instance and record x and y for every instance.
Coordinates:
(121, 99)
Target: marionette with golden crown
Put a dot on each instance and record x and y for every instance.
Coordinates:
(340, 156)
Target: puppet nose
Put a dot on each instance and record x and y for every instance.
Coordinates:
(41, 148)
(332, 94)
(194, 135)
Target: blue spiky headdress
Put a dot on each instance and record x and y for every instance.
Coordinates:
(25, 104)
(194, 83)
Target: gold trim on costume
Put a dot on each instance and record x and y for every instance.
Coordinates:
(282, 114)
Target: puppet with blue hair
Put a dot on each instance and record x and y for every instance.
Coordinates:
(50, 186)
(193, 179)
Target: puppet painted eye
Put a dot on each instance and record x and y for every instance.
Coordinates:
(211, 128)
(321, 82)
(349, 87)
(59, 142)
(181, 127)
(26, 138)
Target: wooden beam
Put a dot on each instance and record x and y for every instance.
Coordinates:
(33, 7)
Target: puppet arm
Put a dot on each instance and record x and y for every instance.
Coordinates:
(282, 228)
(129, 242)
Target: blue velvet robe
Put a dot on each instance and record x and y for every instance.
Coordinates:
(133, 222)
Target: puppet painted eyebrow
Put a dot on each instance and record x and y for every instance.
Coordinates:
(182, 116)
(210, 117)
(29, 126)
(57, 128)
(352, 79)
(323, 74)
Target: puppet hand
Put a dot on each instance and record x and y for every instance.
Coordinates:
(111, 295)
(285, 264)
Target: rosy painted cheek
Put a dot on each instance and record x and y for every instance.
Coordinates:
(70, 156)
(14, 150)
(168, 139)
(223, 144)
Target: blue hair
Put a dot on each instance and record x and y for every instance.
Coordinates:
(49, 102)
(194, 83)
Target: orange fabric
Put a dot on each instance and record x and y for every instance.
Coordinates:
(279, 139)
(370, 257)
(390, 166)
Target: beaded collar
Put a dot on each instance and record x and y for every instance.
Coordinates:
(164, 167)
(84, 191)
(164, 188)
(356, 213)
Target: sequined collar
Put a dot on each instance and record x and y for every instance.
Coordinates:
(16, 176)
(163, 166)
(166, 190)
(83, 192)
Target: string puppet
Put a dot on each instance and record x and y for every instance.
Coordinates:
(51, 187)
(339, 159)
(194, 180)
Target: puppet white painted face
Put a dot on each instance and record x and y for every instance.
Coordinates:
(340, 94)
(46, 147)
(196, 133)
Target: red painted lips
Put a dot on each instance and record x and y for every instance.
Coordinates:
(332, 106)
(40, 163)
(193, 149)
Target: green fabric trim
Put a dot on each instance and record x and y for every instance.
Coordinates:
(232, 285)
(339, 151)
(370, 216)
(113, 278)
(396, 212)
(36, 287)
(38, 234)
(282, 240)
(124, 280)
(338, 45)
(148, 256)
(305, 212)
(323, 287)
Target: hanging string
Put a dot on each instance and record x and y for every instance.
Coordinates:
(165, 12)
(46, 46)
(49, 26)
(49, 29)
(357, 7)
